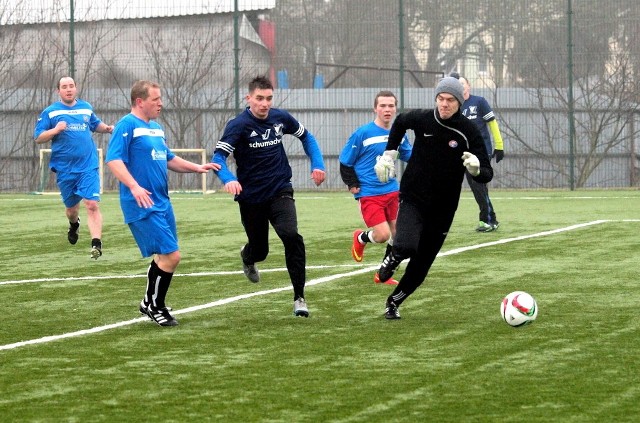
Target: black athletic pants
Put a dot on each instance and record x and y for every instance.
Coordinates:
(281, 213)
(481, 194)
(420, 240)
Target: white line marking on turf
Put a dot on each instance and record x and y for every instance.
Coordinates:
(287, 288)
(218, 273)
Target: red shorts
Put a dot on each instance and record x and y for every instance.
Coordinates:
(379, 208)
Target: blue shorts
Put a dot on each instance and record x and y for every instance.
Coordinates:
(156, 234)
(77, 186)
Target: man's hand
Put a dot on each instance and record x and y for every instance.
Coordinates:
(498, 154)
(471, 162)
(386, 166)
(318, 176)
(233, 187)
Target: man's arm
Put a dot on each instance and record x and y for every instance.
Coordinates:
(48, 135)
(120, 171)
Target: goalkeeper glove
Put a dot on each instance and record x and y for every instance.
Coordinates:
(498, 154)
(472, 163)
(385, 166)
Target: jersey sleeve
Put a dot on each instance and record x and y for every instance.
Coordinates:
(119, 143)
(351, 150)
(42, 124)
(309, 142)
(485, 111)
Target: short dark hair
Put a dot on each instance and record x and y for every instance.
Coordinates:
(260, 82)
(384, 93)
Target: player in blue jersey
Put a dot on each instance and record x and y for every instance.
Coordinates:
(263, 187)
(478, 111)
(140, 159)
(68, 124)
(378, 201)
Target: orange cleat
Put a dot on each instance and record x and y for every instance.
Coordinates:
(357, 248)
(391, 281)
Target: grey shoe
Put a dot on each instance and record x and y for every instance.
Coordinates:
(300, 308)
(96, 251)
(250, 270)
(485, 227)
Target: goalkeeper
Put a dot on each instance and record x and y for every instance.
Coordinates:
(446, 145)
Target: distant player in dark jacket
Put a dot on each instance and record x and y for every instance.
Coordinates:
(263, 186)
(477, 110)
(446, 145)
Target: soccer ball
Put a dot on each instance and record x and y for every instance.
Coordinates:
(518, 309)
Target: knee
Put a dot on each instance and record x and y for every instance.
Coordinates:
(169, 262)
(92, 206)
(381, 235)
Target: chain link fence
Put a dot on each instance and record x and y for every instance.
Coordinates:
(560, 75)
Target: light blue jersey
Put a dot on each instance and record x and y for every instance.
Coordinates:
(72, 150)
(142, 148)
(360, 152)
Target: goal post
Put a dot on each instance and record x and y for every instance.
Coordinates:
(203, 160)
(45, 155)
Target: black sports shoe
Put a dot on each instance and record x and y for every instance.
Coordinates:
(72, 234)
(250, 270)
(144, 307)
(161, 316)
(388, 266)
(391, 312)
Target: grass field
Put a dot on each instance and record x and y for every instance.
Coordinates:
(74, 349)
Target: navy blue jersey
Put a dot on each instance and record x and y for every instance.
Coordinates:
(262, 165)
(478, 111)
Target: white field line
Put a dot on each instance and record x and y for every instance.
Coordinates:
(286, 288)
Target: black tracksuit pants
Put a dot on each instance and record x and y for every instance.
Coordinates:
(281, 213)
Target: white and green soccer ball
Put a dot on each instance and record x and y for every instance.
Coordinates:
(518, 309)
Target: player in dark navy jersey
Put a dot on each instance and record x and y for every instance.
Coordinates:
(478, 111)
(263, 187)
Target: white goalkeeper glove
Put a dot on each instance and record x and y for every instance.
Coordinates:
(472, 163)
(386, 166)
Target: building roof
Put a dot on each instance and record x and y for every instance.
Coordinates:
(16, 12)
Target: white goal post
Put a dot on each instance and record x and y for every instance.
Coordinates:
(44, 168)
(203, 160)
(44, 171)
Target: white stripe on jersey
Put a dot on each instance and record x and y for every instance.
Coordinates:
(375, 140)
(299, 132)
(55, 113)
(488, 116)
(141, 132)
(225, 146)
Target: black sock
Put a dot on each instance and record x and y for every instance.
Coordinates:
(95, 242)
(364, 237)
(387, 251)
(158, 282)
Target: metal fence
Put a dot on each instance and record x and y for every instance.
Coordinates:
(561, 75)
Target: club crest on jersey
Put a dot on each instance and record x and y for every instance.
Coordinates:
(453, 143)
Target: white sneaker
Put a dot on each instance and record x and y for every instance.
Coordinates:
(300, 308)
